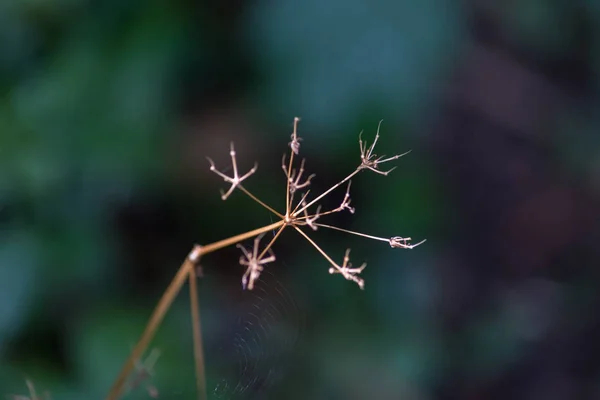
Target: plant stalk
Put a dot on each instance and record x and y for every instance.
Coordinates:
(197, 336)
(169, 296)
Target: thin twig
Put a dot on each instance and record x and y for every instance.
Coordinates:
(316, 246)
(256, 199)
(270, 244)
(294, 216)
(352, 232)
(197, 336)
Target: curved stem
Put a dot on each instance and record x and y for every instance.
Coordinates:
(169, 296)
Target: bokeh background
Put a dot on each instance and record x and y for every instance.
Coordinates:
(108, 109)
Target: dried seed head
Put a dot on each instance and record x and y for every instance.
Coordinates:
(348, 272)
(369, 160)
(235, 180)
(253, 263)
(310, 220)
(403, 243)
(346, 201)
(295, 143)
(294, 176)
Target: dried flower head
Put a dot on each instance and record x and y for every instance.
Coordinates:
(253, 261)
(348, 272)
(235, 180)
(403, 243)
(369, 160)
(295, 143)
(298, 214)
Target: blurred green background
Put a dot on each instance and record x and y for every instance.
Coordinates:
(108, 109)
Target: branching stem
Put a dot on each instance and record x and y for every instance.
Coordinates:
(295, 216)
(325, 193)
(169, 296)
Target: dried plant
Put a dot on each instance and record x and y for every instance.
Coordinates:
(297, 215)
(32, 393)
(144, 371)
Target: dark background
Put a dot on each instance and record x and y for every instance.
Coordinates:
(108, 109)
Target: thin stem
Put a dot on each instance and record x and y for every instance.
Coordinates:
(356, 171)
(197, 336)
(289, 174)
(321, 214)
(209, 248)
(256, 199)
(153, 324)
(300, 201)
(316, 246)
(169, 296)
(262, 254)
(352, 232)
